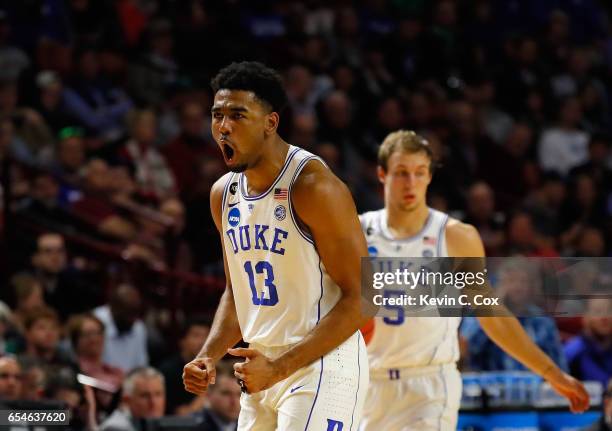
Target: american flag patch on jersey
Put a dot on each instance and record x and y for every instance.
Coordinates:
(429, 240)
(280, 194)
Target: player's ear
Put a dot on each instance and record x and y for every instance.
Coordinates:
(380, 172)
(272, 121)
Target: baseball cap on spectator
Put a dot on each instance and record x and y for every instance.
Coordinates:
(70, 132)
(46, 78)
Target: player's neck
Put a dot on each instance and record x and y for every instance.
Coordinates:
(262, 175)
(403, 224)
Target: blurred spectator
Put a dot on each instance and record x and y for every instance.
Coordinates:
(63, 386)
(28, 293)
(177, 252)
(472, 153)
(34, 377)
(6, 323)
(31, 133)
(482, 215)
(496, 123)
(151, 75)
(179, 401)
(577, 78)
(597, 164)
(10, 379)
(557, 39)
(523, 73)
(144, 397)
(69, 158)
(86, 333)
(223, 401)
(301, 91)
(518, 286)
(66, 288)
(522, 238)
(125, 344)
(96, 204)
(304, 131)
(94, 23)
(13, 61)
(42, 335)
(589, 355)
(544, 205)
(153, 177)
(96, 103)
(50, 103)
(590, 243)
(185, 153)
(583, 207)
(200, 230)
(564, 146)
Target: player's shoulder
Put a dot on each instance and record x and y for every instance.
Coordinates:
(316, 181)
(216, 196)
(462, 239)
(217, 189)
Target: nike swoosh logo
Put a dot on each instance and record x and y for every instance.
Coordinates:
(233, 205)
(296, 388)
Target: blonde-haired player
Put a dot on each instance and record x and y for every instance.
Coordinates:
(415, 384)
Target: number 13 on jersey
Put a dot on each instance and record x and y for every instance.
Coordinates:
(262, 267)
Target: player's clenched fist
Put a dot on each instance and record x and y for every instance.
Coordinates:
(198, 374)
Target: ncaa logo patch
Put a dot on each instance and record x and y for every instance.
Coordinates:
(280, 212)
(233, 217)
(372, 251)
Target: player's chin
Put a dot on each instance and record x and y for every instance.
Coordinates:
(237, 167)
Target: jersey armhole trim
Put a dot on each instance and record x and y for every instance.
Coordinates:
(224, 197)
(294, 217)
(442, 237)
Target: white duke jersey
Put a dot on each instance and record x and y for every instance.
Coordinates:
(281, 288)
(410, 341)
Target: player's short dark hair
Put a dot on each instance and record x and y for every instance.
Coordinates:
(406, 141)
(253, 76)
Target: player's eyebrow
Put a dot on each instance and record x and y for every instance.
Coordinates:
(237, 108)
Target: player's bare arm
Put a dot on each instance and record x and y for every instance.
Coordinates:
(324, 204)
(463, 240)
(225, 330)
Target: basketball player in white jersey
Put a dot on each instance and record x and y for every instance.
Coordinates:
(414, 383)
(292, 245)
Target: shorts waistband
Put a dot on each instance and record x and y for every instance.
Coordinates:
(407, 372)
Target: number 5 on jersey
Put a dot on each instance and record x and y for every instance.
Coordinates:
(261, 267)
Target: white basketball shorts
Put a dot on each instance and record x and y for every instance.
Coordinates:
(327, 395)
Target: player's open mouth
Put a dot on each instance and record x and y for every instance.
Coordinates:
(228, 152)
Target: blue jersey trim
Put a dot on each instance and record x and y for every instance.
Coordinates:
(441, 237)
(243, 191)
(305, 235)
(358, 378)
(225, 188)
(316, 395)
(414, 237)
(321, 296)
